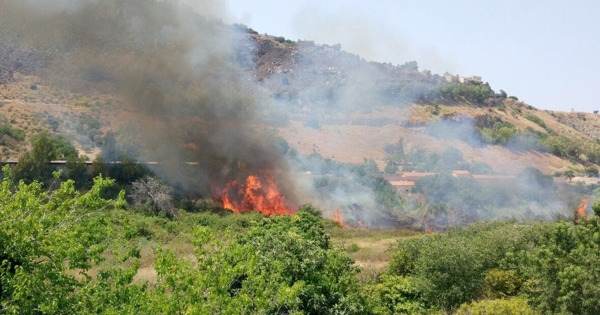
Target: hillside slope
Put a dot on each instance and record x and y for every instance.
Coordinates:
(317, 97)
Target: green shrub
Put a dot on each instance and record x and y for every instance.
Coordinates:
(514, 306)
(451, 268)
(498, 133)
(471, 92)
(14, 133)
(537, 120)
(405, 257)
(352, 248)
(395, 295)
(282, 265)
(308, 208)
(560, 274)
(502, 283)
(49, 240)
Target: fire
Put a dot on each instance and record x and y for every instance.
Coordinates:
(253, 195)
(581, 210)
(428, 228)
(337, 217)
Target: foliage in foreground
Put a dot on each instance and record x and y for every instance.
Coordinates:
(510, 267)
(45, 239)
(51, 240)
(498, 307)
(282, 265)
(66, 252)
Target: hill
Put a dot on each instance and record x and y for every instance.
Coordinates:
(314, 88)
(242, 105)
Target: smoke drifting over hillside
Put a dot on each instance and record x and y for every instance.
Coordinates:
(174, 68)
(192, 84)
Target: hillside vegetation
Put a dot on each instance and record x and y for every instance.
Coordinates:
(389, 189)
(99, 255)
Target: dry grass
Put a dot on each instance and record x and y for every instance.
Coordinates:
(374, 247)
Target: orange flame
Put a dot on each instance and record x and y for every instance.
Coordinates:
(581, 210)
(253, 196)
(337, 217)
(361, 225)
(428, 228)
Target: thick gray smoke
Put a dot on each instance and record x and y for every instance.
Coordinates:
(175, 70)
(192, 91)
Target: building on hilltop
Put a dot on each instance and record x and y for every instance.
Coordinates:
(450, 77)
(471, 79)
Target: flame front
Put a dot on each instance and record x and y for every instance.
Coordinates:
(337, 217)
(428, 228)
(253, 196)
(582, 209)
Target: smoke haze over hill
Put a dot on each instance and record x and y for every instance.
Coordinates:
(175, 69)
(200, 90)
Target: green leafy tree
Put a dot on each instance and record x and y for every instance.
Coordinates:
(560, 274)
(450, 269)
(46, 238)
(35, 165)
(569, 174)
(396, 295)
(77, 170)
(283, 265)
(502, 283)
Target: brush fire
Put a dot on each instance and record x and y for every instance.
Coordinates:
(337, 217)
(580, 213)
(259, 194)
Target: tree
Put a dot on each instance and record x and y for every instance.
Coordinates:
(77, 170)
(35, 165)
(560, 274)
(282, 265)
(396, 295)
(391, 167)
(46, 238)
(569, 174)
(98, 167)
(151, 193)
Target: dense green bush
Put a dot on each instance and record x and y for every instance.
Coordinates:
(498, 133)
(14, 133)
(471, 92)
(537, 120)
(282, 265)
(451, 269)
(502, 283)
(35, 165)
(395, 295)
(46, 238)
(514, 306)
(560, 274)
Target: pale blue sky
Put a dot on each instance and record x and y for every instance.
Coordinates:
(545, 52)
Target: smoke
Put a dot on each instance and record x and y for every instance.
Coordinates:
(189, 90)
(526, 194)
(175, 71)
(372, 40)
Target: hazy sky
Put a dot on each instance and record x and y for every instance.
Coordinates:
(545, 52)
